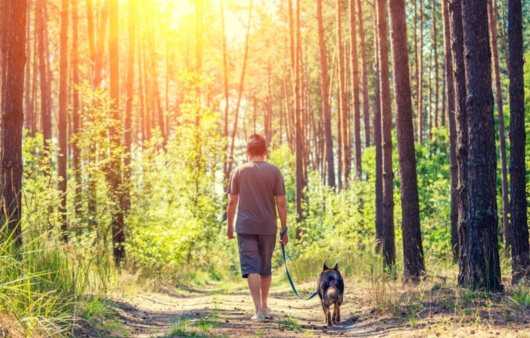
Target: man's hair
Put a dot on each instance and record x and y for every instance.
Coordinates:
(256, 145)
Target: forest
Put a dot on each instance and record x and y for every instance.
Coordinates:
(399, 128)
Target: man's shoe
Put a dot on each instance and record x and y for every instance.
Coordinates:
(258, 317)
(267, 312)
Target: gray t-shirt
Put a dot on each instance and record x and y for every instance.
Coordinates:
(256, 183)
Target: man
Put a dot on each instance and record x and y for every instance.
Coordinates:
(252, 189)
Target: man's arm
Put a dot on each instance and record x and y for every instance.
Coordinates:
(282, 211)
(231, 214)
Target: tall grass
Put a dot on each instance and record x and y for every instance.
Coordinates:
(43, 282)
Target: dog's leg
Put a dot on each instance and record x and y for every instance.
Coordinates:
(330, 323)
(326, 312)
(337, 307)
(334, 312)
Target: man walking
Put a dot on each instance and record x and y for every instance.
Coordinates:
(252, 190)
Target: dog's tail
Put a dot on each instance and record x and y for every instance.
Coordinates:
(331, 296)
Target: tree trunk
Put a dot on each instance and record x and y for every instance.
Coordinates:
(45, 81)
(34, 126)
(76, 108)
(198, 35)
(102, 36)
(13, 60)
(132, 9)
(240, 90)
(63, 117)
(419, 105)
(30, 113)
(90, 33)
(115, 135)
(227, 100)
(457, 48)
(324, 90)
(519, 228)
(450, 107)
(412, 243)
(355, 84)
(366, 109)
(416, 68)
(482, 247)
(435, 51)
(342, 112)
(156, 91)
(492, 19)
(378, 145)
(389, 250)
(300, 138)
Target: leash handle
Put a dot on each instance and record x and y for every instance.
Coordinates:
(283, 233)
(287, 271)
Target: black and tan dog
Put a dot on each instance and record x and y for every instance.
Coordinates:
(330, 288)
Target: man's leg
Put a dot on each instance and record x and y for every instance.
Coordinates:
(254, 286)
(266, 246)
(265, 286)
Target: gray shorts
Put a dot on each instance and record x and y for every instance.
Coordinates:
(255, 253)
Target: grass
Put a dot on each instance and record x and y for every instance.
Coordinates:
(42, 284)
(201, 328)
(289, 324)
(101, 318)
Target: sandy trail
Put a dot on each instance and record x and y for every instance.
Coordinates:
(212, 313)
(215, 311)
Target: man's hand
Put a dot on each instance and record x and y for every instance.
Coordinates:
(285, 239)
(231, 215)
(230, 232)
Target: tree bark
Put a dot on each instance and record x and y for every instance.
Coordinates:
(457, 48)
(482, 248)
(378, 145)
(45, 80)
(450, 112)
(492, 20)
(416, 61)
(412, 243)
(30, 113)
(324, 90)
(355, 84)
(115, 135)
(240, 90)
(519, 228)
(300, 138)
(63, 117)
(435, 51)
(419, 105)
(389, 250)
(102, 36)
(13, 60)
(366, 109)
(90, 33)
(227, 99)
(76, 107)
(160, 120)
(131, 23)
(342, 112)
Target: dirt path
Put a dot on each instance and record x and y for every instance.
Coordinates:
(219, 312)
(211, 313)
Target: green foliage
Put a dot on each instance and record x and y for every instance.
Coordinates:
(520, 296)
(102, 318)
(340, 226)
(201, 328)
(176, 211)
(289, 324)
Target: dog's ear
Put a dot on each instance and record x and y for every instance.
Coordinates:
(336, 268)
(325, 267)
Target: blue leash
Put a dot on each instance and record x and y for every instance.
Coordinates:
(287, 270)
